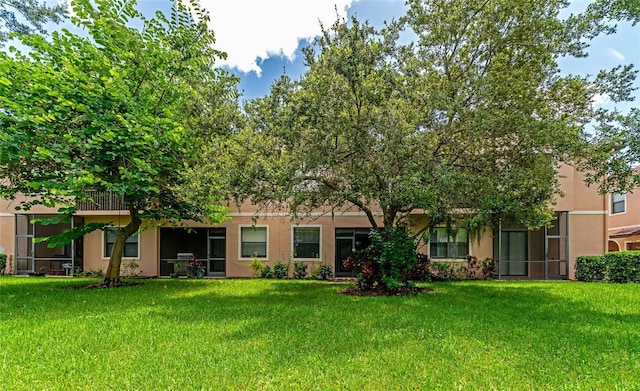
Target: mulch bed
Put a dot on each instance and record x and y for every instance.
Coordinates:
(382, 291)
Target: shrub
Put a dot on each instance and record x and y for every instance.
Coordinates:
(129, 267)
(280, 269)
(443, 271)
(257, 266)
(394, 250)
(618, 267)
(488, 267)
(421, 271)
(98, 272)
(3, 263)
(590, 268)
(266, 272)
(194, 265)
(299, 270)
(622, 266)
(323, 271)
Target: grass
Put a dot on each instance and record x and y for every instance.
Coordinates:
(269, 334)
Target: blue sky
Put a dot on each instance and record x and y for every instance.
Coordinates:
(263, 38)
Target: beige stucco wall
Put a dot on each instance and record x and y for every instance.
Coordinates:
(93, 254)
(587, 230)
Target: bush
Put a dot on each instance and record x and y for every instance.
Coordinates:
(426, 271)
(257, 266)
(96, 272)
(386, 262)
(618, 267)
(488, 267)
(324, 271)
(299, 270)
(366, 270)
(421, 271)
(394, 250)
(280, 269)
(443, 271)
(590, 268)
(622, 266)
(266, 272)
(3, 263)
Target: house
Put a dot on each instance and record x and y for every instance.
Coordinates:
(227, 249)
(624, 221)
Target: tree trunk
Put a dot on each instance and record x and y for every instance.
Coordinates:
(112, 277)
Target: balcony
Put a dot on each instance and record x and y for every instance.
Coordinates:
(101, 200)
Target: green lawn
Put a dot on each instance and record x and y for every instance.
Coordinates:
(269, 334)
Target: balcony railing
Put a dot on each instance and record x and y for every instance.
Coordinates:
(101, 200)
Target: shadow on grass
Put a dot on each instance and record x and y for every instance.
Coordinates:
(551, 332)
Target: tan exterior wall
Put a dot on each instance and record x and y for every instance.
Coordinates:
(588, 216)
(93, 255)
(588, 219)
(624, 228)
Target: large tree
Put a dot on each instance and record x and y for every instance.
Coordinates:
(617, 133)
(114, 112)
(27, 17)
(469, 121)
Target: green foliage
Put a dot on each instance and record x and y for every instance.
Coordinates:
(28, 17)
(300, 270)
(257, 266)
(96, 272)
(113, 111)
(617, 267)
(396, 255)
(472, 269)
(280, 269)
(322, 271)
(474, 115)
(266, 272)
(590, 268)
(392, 262)
(3, 263)
(622, 266)
(130, 268)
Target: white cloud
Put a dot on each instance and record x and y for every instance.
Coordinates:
(250, 29)
(600, 99)
(616, 54)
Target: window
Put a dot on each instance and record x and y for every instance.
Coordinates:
(130, 246)
(618, 203)
(633, 246)
(454, 245)
(253, 242)
(306, 242)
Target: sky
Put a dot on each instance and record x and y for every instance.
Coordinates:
(263, 38)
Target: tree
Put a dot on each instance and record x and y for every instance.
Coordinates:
(34, 13)
(474, 114)
(616, 142)
(467, 124)
(111, 113)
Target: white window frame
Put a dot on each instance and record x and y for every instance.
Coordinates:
(104, 243)
(293, 256)
(624, 203)
(240, 257)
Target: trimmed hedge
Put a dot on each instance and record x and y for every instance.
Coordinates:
(619, 267)
(590, 268)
